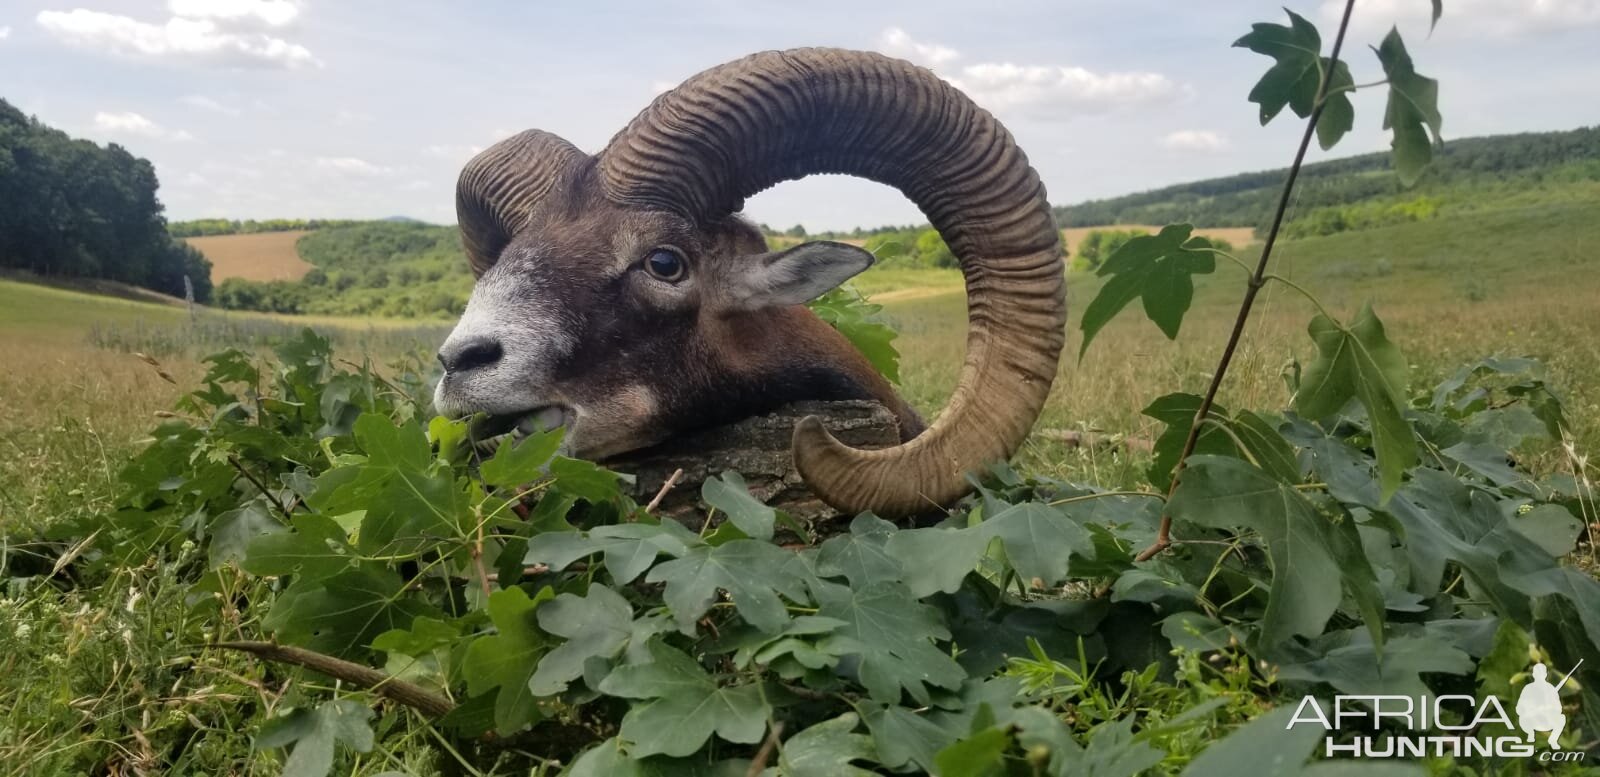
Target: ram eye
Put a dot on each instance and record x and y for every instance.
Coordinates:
(666, 264)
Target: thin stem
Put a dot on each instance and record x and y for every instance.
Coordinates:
(1219, 252)
(234, 460)
(1354, 87)
(1257, 280)
(1297, 287)
(1102, 495)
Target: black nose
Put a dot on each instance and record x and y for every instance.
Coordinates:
(470, 354)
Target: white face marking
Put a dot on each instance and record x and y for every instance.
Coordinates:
(509, 308)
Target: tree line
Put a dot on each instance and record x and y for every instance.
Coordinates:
(71, 208)
(210, 227)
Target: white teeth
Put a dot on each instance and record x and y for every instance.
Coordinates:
(549, 418)
(528, 425)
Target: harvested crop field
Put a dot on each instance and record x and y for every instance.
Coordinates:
(263, 256)
(1238, 236)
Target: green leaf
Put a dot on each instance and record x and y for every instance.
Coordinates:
(729, 494)
(235, 529)
(315, 548)
(1301, 545)
(1294, 78)
(893, 635)
(1177, 411)
(629, 548)
(683, 705)
(1356, 668)
(523, 461)
(934, 559)
(1222, 435)
(1446, 521)
(826, 750)
(597, 625)
(1038, 540)
(314, 732)
(860, 556)
(753, 573)
(342, 614)
(584, 479)
(982, 753)
(1113, 751)
(604, 760)
(790, 645)
(1361, 363)
(1159, 268)
(1265, 747)
(1338, 114)
(903, 737)
(506, 660)
(862, 324)
(1413, 109)
(1552, 527)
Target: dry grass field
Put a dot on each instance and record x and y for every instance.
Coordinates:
(264, 256)
(1236, 236)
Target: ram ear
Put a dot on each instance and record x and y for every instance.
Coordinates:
(793, 276)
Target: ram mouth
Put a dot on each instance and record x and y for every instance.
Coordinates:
(487, 432)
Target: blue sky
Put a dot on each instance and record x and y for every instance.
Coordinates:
(355, 108)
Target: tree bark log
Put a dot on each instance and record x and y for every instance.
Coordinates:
(758, 449)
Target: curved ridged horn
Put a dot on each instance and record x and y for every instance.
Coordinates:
(500, 186)
(737, 129)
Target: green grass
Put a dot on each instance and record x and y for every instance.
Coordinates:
(95, 681)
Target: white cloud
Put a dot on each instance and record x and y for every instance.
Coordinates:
(898, 43)
(180, 38)
(1472, 18)
(1045, 91)
(1194, 140)
(5, 32)
(130, 123)
(452, 152)
(352, 166)
(207, 104)
(272, 13)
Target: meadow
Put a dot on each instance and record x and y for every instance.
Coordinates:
(92, 677)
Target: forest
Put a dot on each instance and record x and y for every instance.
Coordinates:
(70, 208)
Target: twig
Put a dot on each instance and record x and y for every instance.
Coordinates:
(477, 562)
(1257, 280)
(365, 677)
(234, 460)
(759, 763)
(672, 480)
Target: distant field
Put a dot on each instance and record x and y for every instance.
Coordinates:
(1237, 236)
(263, 256)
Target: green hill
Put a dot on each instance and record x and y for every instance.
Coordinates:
(1359, 192)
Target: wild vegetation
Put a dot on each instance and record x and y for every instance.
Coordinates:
(1402, 522)
(73, 209)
